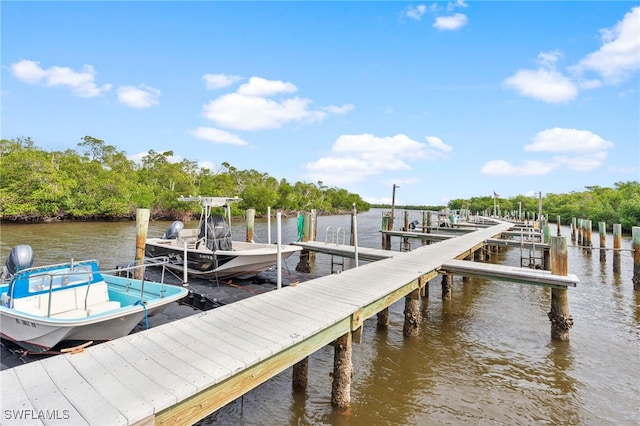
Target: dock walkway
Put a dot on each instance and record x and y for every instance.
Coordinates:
(180, 372)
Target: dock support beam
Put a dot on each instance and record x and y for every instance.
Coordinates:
(561, 319)
(447, 282)
(342, 372)
(635, 241)
(412, 315)
(300, 375)
(383, 318)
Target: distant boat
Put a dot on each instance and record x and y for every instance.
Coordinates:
(208, 251)
(44, 306)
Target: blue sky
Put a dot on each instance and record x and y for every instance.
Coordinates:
(444, 99)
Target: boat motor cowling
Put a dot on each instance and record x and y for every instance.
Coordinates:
(20, 257)
(172, 231)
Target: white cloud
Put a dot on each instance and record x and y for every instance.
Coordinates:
(218, 81)
(82, 82)
(353, 158)
(139, 97)
(416, 12)
(254, 106)
(545, 85)
(437, 144)
(258, 86)
(614, 62)
(527, 168)
(450, 23)
(456, 4)
(619, 56)
(217, 136)
(568, 140)
(589, 151)
(333, 109)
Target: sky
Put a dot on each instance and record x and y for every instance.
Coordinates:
(445, 100)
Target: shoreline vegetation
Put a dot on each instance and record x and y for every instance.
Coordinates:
(100, 183)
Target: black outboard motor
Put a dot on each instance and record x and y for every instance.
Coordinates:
(413, 224)
(218, 233)
(19, 258)
(172, 231)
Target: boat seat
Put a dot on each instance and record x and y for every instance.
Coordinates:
(189, 236)
(97, 299)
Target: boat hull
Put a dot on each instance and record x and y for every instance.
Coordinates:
(245, 260)
(38, 334)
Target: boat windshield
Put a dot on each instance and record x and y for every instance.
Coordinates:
(60, 278)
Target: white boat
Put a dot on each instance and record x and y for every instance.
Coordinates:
(44, 306)
(208, 250)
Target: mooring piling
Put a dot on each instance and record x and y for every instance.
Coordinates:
(561, 320)
(250, 215)
(617, 245)
(635, 238)
(142, 225)
(602, 231)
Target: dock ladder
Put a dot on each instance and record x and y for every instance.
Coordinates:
(334, 240)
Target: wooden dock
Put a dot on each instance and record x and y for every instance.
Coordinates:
(180, 372)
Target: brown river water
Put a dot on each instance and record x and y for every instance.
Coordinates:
(484, 357)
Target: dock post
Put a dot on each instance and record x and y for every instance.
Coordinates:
(635, 241)
(412, 315)
(580, 230)
(250, 215)
(342, 371)
(300, 375)
(387, 225)
(558, 224)
(142, 225)
(602, 231)
(588, 234)
(617, 245)
(561, 319)
(383, 318)
(304, 264)
(573, 229)
(447, 282)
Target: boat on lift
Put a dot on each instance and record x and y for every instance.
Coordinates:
(44, 306)
(208, 251)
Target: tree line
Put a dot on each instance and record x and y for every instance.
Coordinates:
(620, 204)
(101, 183)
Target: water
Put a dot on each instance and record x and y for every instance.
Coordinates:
(484, 357)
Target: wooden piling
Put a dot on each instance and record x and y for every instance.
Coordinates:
(342, 372)
(617, 245)
(383, 318)
(580, 230)
(561, 319)
(635, 242)
(142, 225)
(447, 283)
(250, 216)
(304, 263)
(573, 229)
(588, 236)
(558, 225)
(602, 231)
(300, 376)
(412, 316)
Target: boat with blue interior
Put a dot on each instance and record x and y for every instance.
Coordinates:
(46, 305)
(208, 251)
